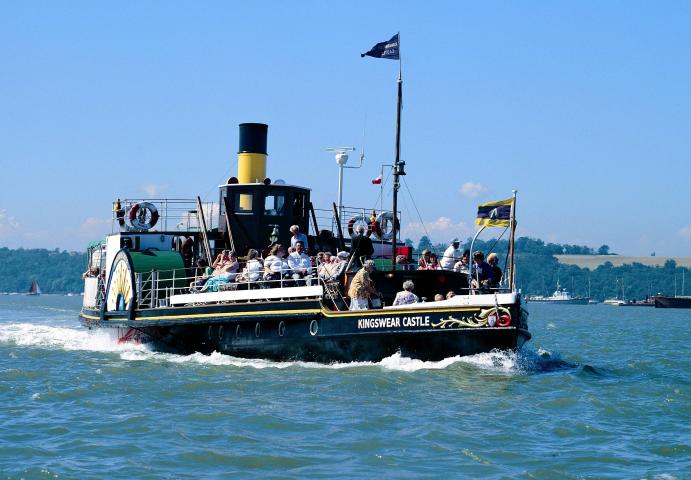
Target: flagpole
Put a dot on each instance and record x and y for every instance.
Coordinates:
(512, 273)
(398, 168)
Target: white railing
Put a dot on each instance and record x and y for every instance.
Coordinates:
(154, 288)
(174, 214)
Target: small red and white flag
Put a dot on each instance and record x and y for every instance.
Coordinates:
(376, 181)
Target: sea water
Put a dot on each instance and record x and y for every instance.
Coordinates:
(600, 392)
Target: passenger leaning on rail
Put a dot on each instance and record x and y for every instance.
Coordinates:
(362, 287)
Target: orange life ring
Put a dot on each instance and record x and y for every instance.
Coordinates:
(504, 320)
(138, 215)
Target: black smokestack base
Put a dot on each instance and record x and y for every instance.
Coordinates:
(253, 138)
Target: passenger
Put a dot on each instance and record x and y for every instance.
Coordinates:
(424, 260)
(325, 267)
(91, 272)
(221, 259)
(203, 274)
(253, 268)
(362, 287)
(451, 255)
(438, 297)
(225, 273)
(275, 265)
(406, 296)
(340, 264)
(450, 294)
(402, 263)
(298, 237)
(481, 271)
(433, 262)
(361, 247)
(301, 265)
(463, 265)
(492, 260)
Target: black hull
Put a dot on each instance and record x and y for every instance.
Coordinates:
(672, 302)
(303, 331)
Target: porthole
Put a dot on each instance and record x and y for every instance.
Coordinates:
(257, 330)
(314, 327)
(281, 328)
(210, 332)
(220, 332)
(237, 332)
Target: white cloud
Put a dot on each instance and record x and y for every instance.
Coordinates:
(95, 226)
(685, 231)
(440, 230)
(8, 224)
(472, 189)
(152, 190)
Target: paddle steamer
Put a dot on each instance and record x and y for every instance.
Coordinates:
(140, 276)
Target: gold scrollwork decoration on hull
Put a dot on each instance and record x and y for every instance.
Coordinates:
(480, 319)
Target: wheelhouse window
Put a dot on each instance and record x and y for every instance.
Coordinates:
(273, 204)
(243, 202)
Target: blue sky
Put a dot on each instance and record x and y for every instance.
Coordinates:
(584, 107)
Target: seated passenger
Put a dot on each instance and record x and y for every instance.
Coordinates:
(402, 263)
(203, 274)
(438, 297)
(424, 260)
(224, 273)
(463, 265)
(492, 260)
(406, 296)
(433, 262)
(301, 265)
(253, 268)
(275, 266)
(325, 267)
(481, 271)
(339, 265)
(450, 294)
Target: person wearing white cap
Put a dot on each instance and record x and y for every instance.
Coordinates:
(451, 255)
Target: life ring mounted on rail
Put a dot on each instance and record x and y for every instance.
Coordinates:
(143, 216)
(385, 222)
(359, 220)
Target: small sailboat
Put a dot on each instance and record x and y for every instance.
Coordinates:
(35, 289)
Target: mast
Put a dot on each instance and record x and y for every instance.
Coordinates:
(398, 168)
(512, 273)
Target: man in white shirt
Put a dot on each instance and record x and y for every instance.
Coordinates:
(298, 237)
(301, 265)
(451, 255)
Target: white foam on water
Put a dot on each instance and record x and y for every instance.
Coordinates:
(44, 336)
(70, 339)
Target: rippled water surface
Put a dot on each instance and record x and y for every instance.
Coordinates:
(600, 392)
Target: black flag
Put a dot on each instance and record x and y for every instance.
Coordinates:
(388, 49)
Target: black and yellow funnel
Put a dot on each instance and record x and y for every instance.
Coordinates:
(252, 153)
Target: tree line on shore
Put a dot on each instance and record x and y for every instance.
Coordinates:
(537, 270)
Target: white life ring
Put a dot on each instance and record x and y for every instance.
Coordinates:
(359, 220)
(143, 216)
(385, 221)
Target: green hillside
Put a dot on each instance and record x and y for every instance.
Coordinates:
(55, 271)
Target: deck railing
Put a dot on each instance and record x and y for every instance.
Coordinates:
(174, 214)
